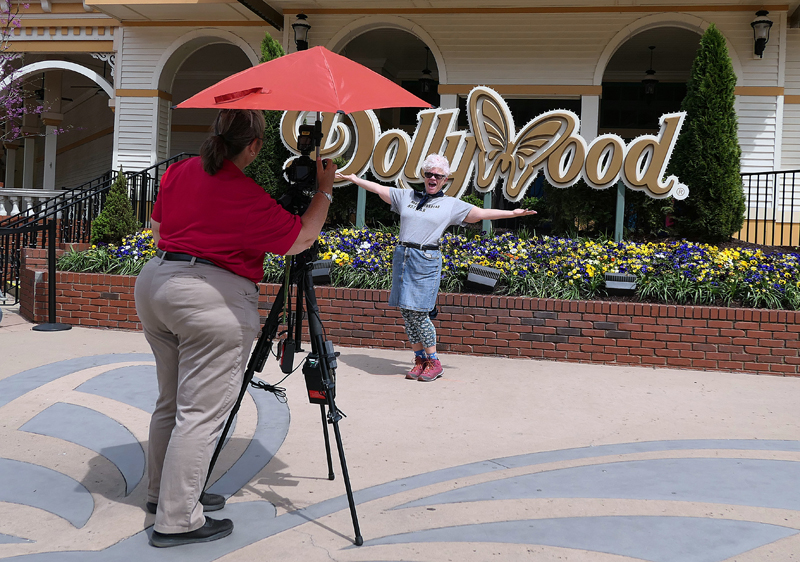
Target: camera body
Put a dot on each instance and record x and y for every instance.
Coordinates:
(302, 172)
(303, 169)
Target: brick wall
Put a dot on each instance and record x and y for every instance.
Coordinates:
(691, 337)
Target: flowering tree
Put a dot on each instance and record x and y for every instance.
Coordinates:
(13, 106)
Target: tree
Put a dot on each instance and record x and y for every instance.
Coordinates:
(13, 106)
(267, 168)
(116, 220)
(707, 154)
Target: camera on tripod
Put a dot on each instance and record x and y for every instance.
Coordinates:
(302, 172)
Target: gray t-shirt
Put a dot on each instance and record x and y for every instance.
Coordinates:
(428, 224)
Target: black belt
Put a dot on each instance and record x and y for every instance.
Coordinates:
(420, 246)
(175, 256)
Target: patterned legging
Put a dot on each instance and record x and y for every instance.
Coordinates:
(419, 327)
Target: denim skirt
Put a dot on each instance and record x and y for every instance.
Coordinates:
(415, 278)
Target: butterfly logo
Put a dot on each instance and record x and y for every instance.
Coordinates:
(517, 157)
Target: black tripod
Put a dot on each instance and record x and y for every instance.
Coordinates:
(319, 367)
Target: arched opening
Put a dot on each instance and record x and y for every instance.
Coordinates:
(69, 141)
(636, 94)
(407, 60)
(402, 57)
(203, 68)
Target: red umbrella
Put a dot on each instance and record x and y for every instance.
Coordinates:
(313, 80)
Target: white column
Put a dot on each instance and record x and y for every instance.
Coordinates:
(27, 163)
(448, 101)
(51, 121)
(590, 117)
(11, 165)
(30, 128)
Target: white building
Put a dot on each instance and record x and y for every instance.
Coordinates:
(112, 70)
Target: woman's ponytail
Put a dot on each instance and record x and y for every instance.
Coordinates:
(212, 153)
(234, 130)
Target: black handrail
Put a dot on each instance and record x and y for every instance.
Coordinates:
(55, 201)
(74, 209)
(771, 199)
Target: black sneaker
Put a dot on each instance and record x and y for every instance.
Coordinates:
(210, 531)
(211, 502)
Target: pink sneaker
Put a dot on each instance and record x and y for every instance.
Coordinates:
(416, 371)
(432, 371)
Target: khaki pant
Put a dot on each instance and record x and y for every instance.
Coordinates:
(200, 321)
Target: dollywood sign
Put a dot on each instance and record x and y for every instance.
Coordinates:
(492, 149)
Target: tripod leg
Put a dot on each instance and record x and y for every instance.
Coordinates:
(359, 539)
(331, 475)
(326, 357)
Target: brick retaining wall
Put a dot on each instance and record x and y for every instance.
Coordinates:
(691, 337)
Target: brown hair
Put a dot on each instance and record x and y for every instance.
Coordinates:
(234, 129)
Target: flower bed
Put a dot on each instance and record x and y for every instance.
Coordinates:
(693, 337)
(667, 272)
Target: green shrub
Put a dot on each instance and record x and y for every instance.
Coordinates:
(579, 210)
(707, 154)
(116, 220)
(473, 199)
(267, 168)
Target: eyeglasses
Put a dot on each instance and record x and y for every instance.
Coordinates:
(430, 175)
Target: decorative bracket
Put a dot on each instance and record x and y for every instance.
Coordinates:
(110, 58)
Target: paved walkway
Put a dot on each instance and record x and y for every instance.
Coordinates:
(500, 460)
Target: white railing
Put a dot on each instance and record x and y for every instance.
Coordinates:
(15, 201)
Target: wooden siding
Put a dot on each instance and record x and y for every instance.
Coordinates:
(144, 46)
(757, 130)
(135, 133)
(499, 49)
(792, 80)
(791, 137)
(164, 120)
(85, 162)
(186, 142)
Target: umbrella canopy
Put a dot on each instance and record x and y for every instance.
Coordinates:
(312, 80)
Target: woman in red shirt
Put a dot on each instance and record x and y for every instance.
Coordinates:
(198, 303)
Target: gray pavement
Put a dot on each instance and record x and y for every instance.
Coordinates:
(501, 459)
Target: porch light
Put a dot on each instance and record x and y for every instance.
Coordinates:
(761, 26)
(649, 81)
(301, 28)
(426, 81)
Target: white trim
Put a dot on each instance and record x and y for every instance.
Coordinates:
(59, 65)
(371, 23)
(590, 117)
(683, 21)
(118, 43)
(156, 130)
(287, 38)
(782, 50)
(183, 47)
(776, 163)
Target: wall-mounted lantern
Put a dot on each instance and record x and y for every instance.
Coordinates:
(301, 28)
(761, 26)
